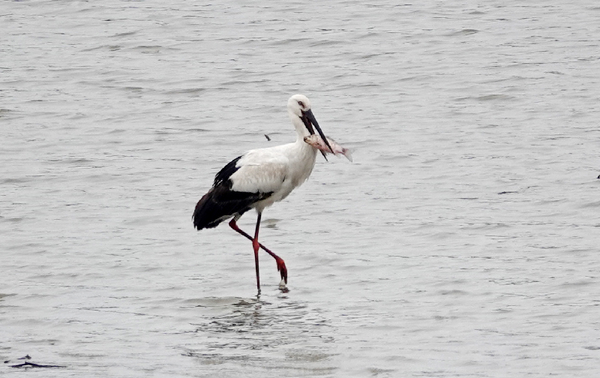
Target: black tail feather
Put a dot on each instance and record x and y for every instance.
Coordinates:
(221, 203)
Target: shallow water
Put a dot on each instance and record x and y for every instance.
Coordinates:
(460, 242)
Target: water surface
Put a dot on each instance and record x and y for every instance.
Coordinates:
(460, 242)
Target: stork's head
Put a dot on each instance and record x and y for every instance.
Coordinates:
(299, 109)
(297, 104)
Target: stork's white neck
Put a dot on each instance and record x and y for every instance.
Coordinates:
(301, 130)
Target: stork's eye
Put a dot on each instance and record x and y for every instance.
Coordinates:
(301, 104)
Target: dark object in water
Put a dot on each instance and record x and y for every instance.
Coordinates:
(28, 364)
(34, 365)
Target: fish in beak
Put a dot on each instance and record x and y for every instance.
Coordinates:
(309, 121)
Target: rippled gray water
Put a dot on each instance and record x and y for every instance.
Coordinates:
(462, 241)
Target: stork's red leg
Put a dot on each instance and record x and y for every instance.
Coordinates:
(255, 246)
(280, 263)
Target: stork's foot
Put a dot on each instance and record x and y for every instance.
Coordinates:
(282, 270)
(282, 287)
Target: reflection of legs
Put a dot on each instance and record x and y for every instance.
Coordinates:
(280, 263)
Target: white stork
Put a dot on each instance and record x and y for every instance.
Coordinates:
(260, 178)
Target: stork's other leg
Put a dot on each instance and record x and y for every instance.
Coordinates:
(255, 246)
(280, 263)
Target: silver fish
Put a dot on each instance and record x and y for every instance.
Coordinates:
(317, 142)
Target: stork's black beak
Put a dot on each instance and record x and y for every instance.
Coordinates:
(309, 121)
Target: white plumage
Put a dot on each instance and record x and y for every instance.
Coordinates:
(260, 178)
(277, 169)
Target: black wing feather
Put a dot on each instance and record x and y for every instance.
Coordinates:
(221, 203)
(225, 173)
